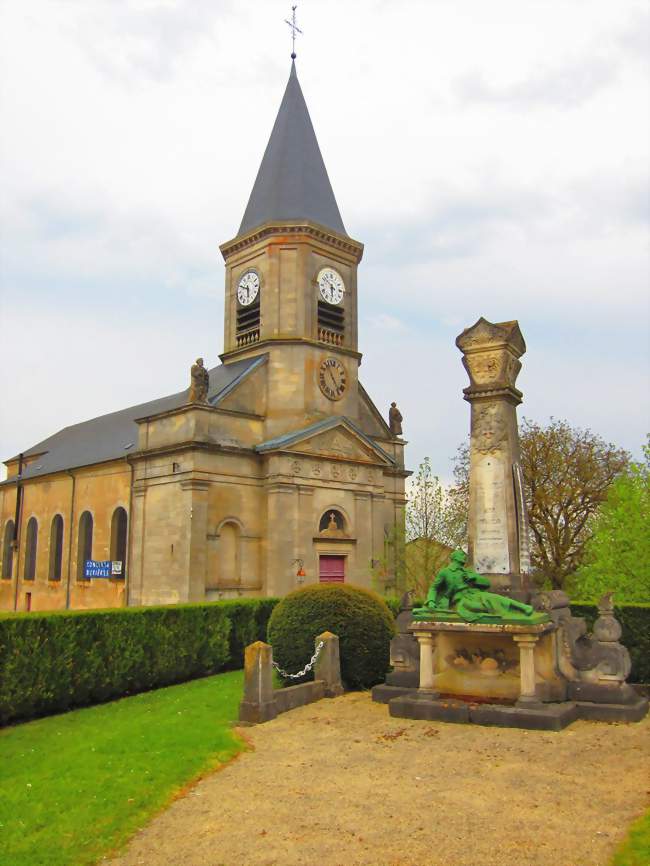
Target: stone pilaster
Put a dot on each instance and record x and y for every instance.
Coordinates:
(195, 493)
(282, 537)
(498, 525)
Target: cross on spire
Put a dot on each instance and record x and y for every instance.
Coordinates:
(294, 29)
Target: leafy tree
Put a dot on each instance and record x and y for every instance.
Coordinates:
(433, 527)
(617, 556)
(567, 473)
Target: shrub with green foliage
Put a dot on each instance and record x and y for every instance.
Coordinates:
(249, 618)
(52, 661)
(360, 618)
(635, 622)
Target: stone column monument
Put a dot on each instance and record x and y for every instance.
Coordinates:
(498, 526)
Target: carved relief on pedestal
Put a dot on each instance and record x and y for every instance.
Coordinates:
(353, 471)
(317, 470)
(296, 467)
(336, 471)
(488, 429)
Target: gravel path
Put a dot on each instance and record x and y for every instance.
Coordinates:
(340, 783)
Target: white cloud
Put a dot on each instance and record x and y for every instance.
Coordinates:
(134, 129)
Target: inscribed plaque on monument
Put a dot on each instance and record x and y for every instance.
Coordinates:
(491, 554)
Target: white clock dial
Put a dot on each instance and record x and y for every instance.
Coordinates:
(248, 288)
(331, 285)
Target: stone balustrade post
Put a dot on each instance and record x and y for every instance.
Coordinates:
(328, 664)
(528, 683)
(258, 704)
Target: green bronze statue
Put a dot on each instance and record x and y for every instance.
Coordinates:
(460, 593)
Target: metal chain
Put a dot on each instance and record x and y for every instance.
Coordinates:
(305, 670)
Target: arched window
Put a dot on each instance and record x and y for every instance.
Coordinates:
(85, 543)
(332, 521)
(31, 543)
(8, 550)
(118, 538)
(56, 548)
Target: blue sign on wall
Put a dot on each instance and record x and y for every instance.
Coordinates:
(97, 568)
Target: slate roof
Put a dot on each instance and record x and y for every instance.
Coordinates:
(292, 181)
(115, 435)
(288, 439)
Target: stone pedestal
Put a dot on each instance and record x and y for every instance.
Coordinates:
(497, 525)
(485, 661)
(258, 704)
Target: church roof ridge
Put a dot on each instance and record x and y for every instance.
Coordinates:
(292, 182)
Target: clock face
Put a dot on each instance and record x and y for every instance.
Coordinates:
(248, 288)
(332, 378)
(330, 285)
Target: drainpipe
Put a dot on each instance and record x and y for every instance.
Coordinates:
(129, 540)
(70, 533)
(17, 517)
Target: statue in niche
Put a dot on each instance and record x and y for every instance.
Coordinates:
(395, 420)
(460, 593)
(199, 384)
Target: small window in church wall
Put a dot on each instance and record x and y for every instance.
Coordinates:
(119, 524)
(85, 543)
(8, 550)
(56, 548)
(331, 323)
(31, 544)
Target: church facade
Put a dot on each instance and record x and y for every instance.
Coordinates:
(274, 469)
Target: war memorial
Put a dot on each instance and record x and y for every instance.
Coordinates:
(486, 647)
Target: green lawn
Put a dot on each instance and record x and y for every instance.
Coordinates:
(635, 850)
(77, 785)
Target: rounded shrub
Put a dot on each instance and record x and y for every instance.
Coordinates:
(360, 619)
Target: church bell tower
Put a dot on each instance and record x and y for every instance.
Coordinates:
(291, 278)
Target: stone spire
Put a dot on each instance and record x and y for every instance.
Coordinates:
(292, 181)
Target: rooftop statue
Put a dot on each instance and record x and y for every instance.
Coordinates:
(395, 420)
(460, 593)
(200, 383)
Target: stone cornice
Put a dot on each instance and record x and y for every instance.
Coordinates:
(512, 395)
(201, 407)
(314, 230)
(254, 348)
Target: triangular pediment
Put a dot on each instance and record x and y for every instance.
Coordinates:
(335, 438)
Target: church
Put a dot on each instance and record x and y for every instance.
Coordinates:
(272, 470)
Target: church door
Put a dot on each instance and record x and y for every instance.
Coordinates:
(332, 569)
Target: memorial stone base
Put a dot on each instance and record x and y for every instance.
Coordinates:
(501, 674)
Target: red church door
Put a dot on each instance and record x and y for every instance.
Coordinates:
(332, 569)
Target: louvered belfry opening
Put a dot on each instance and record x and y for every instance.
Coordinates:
(331, 323)
(248, 324)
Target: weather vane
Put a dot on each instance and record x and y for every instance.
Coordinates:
(294, 29)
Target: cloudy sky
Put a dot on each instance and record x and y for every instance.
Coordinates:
(492, 157)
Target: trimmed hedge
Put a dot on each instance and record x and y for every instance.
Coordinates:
(249, 618)
(635, 622)
(360, 619)
(56, 660)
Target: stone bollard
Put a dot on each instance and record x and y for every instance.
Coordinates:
(328, 664)
(258, 704)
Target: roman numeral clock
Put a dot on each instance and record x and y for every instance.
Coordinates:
(332, 376)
